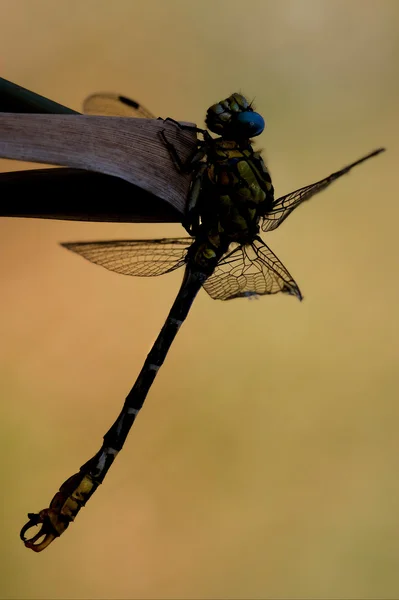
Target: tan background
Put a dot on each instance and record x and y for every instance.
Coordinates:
(265, 462)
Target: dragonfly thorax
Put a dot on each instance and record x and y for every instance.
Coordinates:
(236, 190)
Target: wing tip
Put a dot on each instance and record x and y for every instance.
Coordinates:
(293, 290)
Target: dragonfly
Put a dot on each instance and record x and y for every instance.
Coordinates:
(231, 199)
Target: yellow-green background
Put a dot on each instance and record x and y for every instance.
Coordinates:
(265, 462)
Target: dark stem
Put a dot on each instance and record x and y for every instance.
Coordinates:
(16, 99)
(72, 194)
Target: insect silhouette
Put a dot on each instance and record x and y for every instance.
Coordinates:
(231, 198)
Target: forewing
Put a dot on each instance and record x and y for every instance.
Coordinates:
(252, 270)
(283, 206)
(143, 258)
(114, 105)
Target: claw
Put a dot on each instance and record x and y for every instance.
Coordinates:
(48, 530)
(64, 507)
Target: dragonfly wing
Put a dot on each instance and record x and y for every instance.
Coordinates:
(251, 270)
(114, 105)
(143, 258)
(283, 206)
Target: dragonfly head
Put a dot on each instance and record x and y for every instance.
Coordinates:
(234, 118)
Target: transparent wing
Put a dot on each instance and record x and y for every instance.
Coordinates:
(249, 271)
(283, 206)
(143, 258)
(114, 105)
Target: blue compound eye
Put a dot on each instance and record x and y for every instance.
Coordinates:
(251, 123)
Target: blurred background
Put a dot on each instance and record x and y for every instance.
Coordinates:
(265, 461)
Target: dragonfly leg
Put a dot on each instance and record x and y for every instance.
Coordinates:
(196, 165)
(177, 161)
(191, 221)
(183, 166)
(188, 127)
